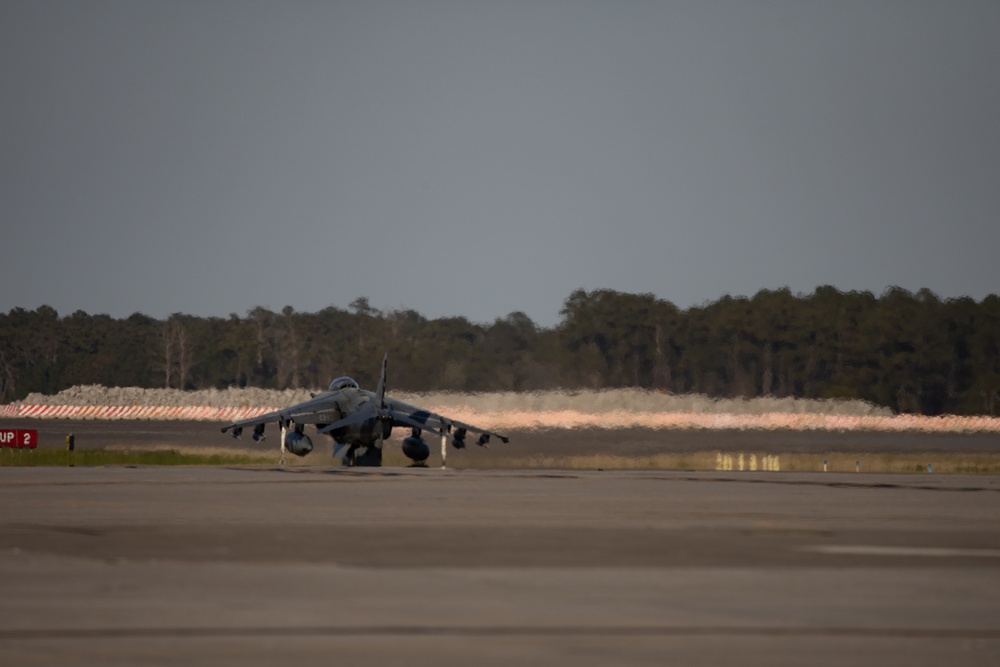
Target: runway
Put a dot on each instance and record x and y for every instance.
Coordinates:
(313, 565)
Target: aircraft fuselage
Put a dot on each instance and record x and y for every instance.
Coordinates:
(364, 434)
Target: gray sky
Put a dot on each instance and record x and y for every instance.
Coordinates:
(477, 158)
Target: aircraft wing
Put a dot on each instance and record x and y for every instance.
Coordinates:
(321, 409)
(404, 414)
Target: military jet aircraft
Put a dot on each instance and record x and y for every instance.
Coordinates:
(359, 421)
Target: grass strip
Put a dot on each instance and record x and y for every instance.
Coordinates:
(869, 462)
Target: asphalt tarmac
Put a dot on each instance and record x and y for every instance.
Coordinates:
(323, 565)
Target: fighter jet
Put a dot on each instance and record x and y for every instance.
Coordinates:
(359, 421)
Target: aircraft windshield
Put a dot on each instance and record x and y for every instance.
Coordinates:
(343, 383)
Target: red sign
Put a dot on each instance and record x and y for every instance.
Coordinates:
(27, 438)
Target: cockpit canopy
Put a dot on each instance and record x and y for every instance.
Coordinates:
(343, 383)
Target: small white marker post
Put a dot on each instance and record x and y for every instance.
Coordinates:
(444, 450)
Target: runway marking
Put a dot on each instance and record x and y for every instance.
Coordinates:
(920, 552)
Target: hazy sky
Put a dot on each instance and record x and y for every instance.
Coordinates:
(478, 158)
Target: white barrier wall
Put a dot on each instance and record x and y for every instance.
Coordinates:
(113, 412)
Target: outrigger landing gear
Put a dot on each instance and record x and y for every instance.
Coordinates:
(284, 432)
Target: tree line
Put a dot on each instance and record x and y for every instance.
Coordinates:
(912, 352)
